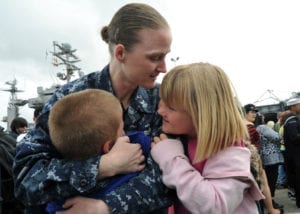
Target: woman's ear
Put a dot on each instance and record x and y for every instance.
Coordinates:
(107, 146)
(120, 52)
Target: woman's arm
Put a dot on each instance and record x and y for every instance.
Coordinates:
(41, 176)
(142, 194)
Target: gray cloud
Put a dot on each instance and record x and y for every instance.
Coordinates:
(256, 43)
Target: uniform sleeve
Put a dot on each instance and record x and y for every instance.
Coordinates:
(144, 193)
(41, 176)
(40, 173)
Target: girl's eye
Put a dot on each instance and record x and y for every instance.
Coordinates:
(171, 108)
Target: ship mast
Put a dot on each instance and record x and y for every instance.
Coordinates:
(63, 54)
(14, 102)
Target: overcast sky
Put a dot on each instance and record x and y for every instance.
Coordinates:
(256, 42)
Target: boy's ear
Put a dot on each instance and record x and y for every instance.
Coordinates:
(107, 146)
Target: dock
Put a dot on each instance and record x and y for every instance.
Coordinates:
(281, 197)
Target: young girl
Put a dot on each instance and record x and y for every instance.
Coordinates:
(210, 171)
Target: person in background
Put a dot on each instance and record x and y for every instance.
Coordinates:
(270, 154)
(8, 203)
(282, 177)
(36, 114)
(138, 38)
(261, 178)
(210, 169)
(250, 117)
(277, 124)
(271, 124)
(291, 136)
(18, 126)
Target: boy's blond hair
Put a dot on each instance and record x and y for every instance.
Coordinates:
(81, 122)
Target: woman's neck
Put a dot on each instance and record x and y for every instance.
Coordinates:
(123, 89)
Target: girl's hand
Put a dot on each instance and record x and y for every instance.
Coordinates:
(124, 157)
(158, 139)
(80, 205)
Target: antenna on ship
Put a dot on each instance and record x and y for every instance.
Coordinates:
(63, 54)
(270, 94)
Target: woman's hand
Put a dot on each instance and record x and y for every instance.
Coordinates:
(80, 205)
(124, 157)
(158, 139)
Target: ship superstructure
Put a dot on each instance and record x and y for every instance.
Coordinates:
(13, 103)
(62, 54)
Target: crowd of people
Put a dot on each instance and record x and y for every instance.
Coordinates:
(8, 142)
(116, 141)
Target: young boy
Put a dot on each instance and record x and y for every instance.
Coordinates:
(86, 124)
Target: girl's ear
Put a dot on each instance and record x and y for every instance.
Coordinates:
(107, 146)
(120, 52)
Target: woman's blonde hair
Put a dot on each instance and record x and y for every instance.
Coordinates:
(205, 92)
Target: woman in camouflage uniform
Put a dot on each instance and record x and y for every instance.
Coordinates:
(139, 39)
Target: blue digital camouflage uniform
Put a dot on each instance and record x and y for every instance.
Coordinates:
(42, 176)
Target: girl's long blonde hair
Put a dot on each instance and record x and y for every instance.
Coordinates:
(205, 92)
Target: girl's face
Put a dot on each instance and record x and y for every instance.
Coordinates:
(176, 121)
(146, 59)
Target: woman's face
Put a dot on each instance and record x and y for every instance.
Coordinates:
(146, 59)
(176, 121)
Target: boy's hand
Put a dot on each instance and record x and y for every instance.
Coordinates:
(124, 157)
